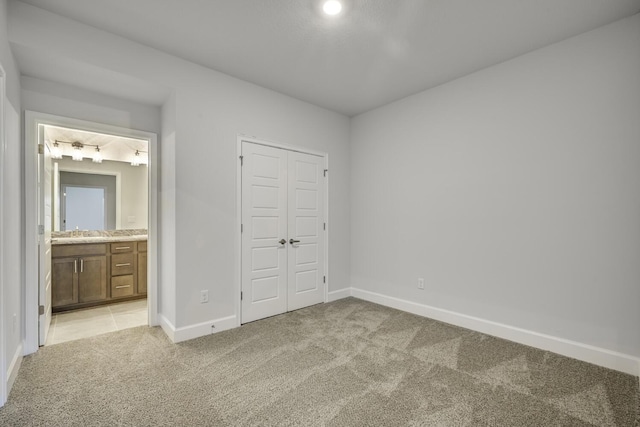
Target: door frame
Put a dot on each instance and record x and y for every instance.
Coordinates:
(245, 138)
(3, 359)
(33, 120)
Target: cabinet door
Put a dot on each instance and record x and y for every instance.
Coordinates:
(64, 281)
(92, 279)
(142, 273)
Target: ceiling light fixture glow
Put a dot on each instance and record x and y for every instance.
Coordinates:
(136, 159)
(56, 151)
(332, 7)
(97, 156)
(77, 152)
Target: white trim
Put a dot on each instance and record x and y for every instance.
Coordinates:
(238, 278)
(32, 121)
(205, 328)
(268, 143)
(3, 356)
(190, 332)
(167, 327)
(587, 353)
(14, 367)
(118, 176)
(339, 294)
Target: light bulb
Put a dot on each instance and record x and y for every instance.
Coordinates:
(136, 159)
(332, 7)
(77, 154)
(56, 152)
(97, 156)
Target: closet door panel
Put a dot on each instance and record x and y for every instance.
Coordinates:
(306, 230)
(264, 222)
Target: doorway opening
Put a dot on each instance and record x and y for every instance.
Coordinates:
(91, 196)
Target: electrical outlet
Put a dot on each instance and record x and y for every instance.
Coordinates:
(204, 296)
(421, 283)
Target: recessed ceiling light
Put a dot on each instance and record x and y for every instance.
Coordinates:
(332, 7)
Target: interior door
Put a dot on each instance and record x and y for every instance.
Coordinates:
(45, 186)
(264, 222)
(306, 225)
(282, 237)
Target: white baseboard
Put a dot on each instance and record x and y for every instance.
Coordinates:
(339, 294)
(167, 327)
(14, 367)
(190, 332)
(587, 353)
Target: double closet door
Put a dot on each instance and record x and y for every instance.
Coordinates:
(283, 242)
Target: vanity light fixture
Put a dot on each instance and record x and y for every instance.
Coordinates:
(332, 7)
(97, 157)
(56, 152)
(136, 159)
(77, 151)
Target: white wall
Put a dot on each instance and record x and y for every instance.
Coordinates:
(513, 192)
(62, 100)
(12, 240)
(210, 110)
(134, 187)
(167, 216)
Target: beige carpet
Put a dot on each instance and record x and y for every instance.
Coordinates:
(345, 363)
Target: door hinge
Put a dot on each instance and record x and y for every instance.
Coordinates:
(240, 296)
(41, 229)
(41, 310)
(325, 172)
(40, 148)
(324, 226)
(324, 279)
(242, 228)
(241, 160)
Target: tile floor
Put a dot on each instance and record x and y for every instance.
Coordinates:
(89, 322)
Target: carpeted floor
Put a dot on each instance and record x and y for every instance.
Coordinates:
(345, 363)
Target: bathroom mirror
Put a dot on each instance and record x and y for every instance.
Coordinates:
(106, 196)
(100, 182)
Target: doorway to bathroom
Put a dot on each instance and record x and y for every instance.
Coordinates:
(91, 195)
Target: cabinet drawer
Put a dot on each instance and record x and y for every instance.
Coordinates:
(121, 286)
(59, 251)
(121, 264)
(142, 246)
(122, 247)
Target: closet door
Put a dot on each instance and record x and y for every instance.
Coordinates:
(264, 235)
(282, 231)
(306, 230)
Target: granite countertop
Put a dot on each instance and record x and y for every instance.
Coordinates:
(95, 239)
(103, 236)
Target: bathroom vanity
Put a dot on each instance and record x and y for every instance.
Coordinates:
(88, 271)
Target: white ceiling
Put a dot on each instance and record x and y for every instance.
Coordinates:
(114, 148)
(378, 52)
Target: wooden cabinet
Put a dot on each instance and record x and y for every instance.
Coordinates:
(90, 274)
(64, 280)
(142, 267)
(92, 279)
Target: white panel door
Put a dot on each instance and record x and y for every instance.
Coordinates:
(283, 242)
(264, 221)
(46, 186)
(306, 225)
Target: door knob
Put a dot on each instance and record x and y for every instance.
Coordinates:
(282, 241)
(291, 241)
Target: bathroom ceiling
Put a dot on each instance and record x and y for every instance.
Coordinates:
(377, 52)
(114, 148)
